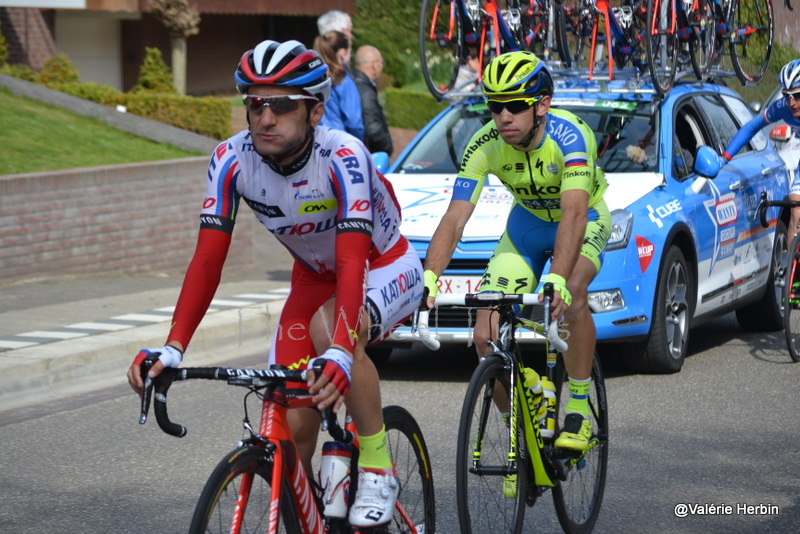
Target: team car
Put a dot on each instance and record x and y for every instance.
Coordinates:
(685, 248)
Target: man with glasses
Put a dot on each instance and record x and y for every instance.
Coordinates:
(318, 192)
(786, 109)
(546, 159)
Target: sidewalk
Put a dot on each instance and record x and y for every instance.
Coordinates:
(61, 337)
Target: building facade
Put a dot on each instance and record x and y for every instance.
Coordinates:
(106, 39)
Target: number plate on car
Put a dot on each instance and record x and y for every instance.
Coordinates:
(459, 284)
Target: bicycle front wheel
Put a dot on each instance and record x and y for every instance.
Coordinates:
(663, 44)
(490, 498)
(791, 301)
(577, 499)
(416, 505)
(751, 34)
(238, 494)
(700, 17)
(440, 45)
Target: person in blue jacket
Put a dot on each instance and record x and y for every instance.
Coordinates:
(343, 109)
(786, 109)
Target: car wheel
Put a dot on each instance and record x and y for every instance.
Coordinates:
(766, 315)
(669, 336)
(379, 354)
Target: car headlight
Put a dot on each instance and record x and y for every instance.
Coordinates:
(621, 225)
(606, 300)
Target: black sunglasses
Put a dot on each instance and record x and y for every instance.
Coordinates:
(513, 106)
(277, 104)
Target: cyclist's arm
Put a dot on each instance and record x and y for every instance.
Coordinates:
(352, 175)
(746, 133)
(213, 242)
(570, 232)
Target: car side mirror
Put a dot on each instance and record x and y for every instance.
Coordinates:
(381, 161)
(707, 162)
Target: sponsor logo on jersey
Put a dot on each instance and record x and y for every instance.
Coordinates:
(316, 207)
(491, 135)
(306, 228)
(398, 287)
(269, 211)
(354, 225)
(351, 165)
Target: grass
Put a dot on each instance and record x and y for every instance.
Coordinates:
(37, 137)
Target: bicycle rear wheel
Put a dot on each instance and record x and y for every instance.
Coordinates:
(482, 455)
(441, 46)
(574, 23)
(240, 487)
(416, 504)
(663, 44)
(751, 34)
(577, 499)
(791, 301)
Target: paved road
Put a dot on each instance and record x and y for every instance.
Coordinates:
(724, 431)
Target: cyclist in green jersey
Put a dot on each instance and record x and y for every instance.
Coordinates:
(546, 159)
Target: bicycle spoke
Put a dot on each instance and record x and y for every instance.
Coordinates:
(750, 39)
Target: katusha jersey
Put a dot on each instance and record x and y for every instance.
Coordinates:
(338, 187)
(333, 211)
(564, 160)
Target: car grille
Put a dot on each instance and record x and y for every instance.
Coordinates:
(468, 264)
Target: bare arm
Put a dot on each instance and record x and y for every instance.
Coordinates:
(445, 238)
(571, 231)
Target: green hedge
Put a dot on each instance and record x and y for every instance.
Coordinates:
(410, 109)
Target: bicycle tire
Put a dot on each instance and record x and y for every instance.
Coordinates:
(220, 497)
(481, 503)
(751, 36)
(701, 43)
(410, 457)
(574, 23)
(791, 301)
(578, 498)
(663, 44)
(440, 55)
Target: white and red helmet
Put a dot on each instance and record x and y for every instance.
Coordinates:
(288, 64)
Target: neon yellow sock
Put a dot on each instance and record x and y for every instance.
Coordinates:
(579, 397)
(373, 453)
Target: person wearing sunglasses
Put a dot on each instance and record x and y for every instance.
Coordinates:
(355, 276)
(546, 159)
(785, 109)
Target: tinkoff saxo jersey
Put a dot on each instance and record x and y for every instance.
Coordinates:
(564, 160)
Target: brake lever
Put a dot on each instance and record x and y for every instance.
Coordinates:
(148, 386)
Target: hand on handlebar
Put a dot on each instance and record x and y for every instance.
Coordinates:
(562, 298)
(333, 367)
(431, 289)
(150, 362)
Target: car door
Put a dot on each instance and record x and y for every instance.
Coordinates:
(719, 207)
(745, 177)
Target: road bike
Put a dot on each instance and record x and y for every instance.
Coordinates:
(261, 486)
(452, 31)
(586, 29)
(505, 458)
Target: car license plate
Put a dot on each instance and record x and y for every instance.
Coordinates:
(459, 284)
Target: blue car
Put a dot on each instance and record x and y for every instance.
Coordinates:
(685, 248)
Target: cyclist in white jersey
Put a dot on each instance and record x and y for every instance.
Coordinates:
(355, 277)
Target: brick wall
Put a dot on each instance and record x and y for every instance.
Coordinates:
(124, 218)
(29, 35)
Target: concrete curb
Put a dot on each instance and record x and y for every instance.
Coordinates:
(60, 369)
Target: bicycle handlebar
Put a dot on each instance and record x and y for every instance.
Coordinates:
(486, 300)
(764, 204)
(234, 376)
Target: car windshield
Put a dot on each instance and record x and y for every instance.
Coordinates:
(625, 133)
